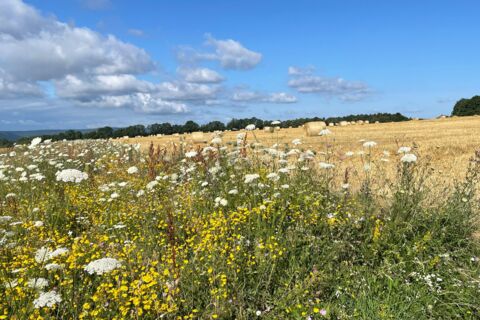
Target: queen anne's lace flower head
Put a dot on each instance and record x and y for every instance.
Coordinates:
(132, 170)
(409, 158)
(103, 265)
(47, 299)
(369, 144)
(71, 175)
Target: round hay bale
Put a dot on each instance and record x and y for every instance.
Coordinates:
(277, 128)
(314, 128)
(268, 129)
(377, 122)
(343, 123)
(360, 122)
(198, 137)
(331, 124)
(367, 122)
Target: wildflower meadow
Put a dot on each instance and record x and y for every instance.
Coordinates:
(98, 229)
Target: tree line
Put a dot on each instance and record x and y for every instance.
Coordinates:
(191, 126)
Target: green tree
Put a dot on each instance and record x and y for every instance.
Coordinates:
(467, 107)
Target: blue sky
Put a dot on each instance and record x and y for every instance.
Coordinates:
(89, 63)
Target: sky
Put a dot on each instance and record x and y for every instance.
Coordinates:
(75, 64)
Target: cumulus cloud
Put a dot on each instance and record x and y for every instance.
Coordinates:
(84, 88)
(85, 67)
(200, 75)
(304, 81)
(254, 96)
(230, 53)
(142, 102)
(12, 89)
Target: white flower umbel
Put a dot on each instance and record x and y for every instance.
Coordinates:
(369, 144)
(249, 178)
(325, 165)
(37, 283)
(191, 154)
(71, 175)
(250, 127)
(35, 142)
(47, 299)
(409, 158)
(404, 150)
(103, 265)
(132, 170)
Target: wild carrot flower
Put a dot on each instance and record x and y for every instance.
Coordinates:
(325, 165)
(132, 170)
(404, 150)
(71, 175)
(249, 178)
(409, 158)
(250, 127)
(47, 299)
(101, 266)
(296, 142)
(369, 144)
(191, 154)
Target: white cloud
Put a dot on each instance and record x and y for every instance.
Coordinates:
(281, 97)
(304, 81)
(200, 75)
(85, 67)
(13, 89)
(185, 91)
(231, 54)
(297, 71)
(142, 102)
(254, 96)
(74, 87)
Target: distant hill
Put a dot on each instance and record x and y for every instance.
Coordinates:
(15, 135)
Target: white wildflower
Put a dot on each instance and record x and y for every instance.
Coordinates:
(251, 177)
(53, 266)
(409, 158)
(325, 165)
(216, 140)
(233, 191)
(250, 127)
(132, 170)
(101, 266)
(404, 150)
(35, 141)
(151, 184)
(47, 299)
(297, 142)
(369, 144)
(71, 175)
(191, 154)
(273, 176)
(38, 283)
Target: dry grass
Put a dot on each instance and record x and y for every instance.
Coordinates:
(447, 144)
